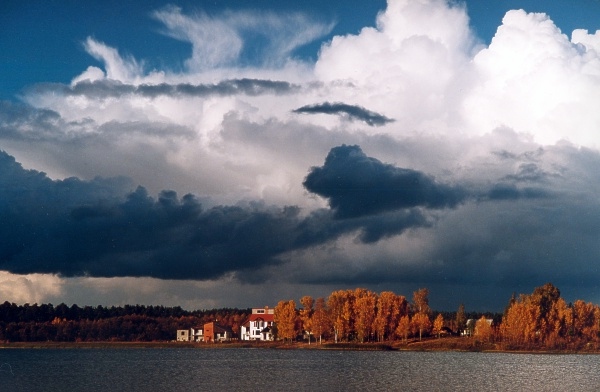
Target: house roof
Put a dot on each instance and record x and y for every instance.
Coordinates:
(218, 327)
(256, 317)
(263, 317)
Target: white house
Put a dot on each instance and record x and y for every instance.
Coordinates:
(195, 334)
(183, 335)
(259, 325)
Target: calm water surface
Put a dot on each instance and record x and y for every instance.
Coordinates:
(290, 370)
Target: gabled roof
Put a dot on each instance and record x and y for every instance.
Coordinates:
(256, 317)
(263, 317)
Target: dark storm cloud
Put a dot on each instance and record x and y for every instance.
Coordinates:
(358, 185)
(106, 228)
(511, 192)
(351, 111)
(114, 89)
(101, 228)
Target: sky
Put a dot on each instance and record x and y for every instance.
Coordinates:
(233, 154)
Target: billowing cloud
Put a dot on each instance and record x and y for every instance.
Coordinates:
(351, 111)
(97, 228)
(477, 170)
(533, 79)
(34, 288)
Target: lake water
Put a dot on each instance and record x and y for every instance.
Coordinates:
(181, 369)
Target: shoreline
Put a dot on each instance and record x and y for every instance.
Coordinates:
(428, 345)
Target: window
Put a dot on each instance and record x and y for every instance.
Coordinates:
(260, 311)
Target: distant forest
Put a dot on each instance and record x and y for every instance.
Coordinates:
(538, 320)
(129, 323)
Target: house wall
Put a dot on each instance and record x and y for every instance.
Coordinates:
(209, 332)
(265, 310)
(183, 335)
(196, 334)
(214, 332)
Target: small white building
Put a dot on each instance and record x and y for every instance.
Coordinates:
(259, 325)
(195, 334)
(183, 335)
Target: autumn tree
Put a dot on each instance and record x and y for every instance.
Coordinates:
(483, 329)
(585, 320)
(561, 319)
(390, 307)
(337, 303)
(461, 318)
(285, 319)
(420, 320)
(421, 301)
(384, 313)
(544, 298)
(519, 325)
(421, 324)
(365, 302)
(403, 328)
(348, 314)
(320, 319)
(400, 309)
(306, 314)
(438, 325)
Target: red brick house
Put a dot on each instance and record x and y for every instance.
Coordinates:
(214, 332)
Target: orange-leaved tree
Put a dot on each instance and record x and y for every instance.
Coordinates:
(483, 329)
(337, 302)
(285, 319)
(421, 324)
(403, 328)
(364, 313)
(438, 325)
(390, 307)
(420, 321)
(306, 314)
(320, 319)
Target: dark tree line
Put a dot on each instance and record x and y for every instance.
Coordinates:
(129, 323)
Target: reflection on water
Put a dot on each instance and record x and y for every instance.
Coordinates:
(290, 370)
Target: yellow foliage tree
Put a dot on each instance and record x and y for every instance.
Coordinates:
(365, 314)
(438, 324)
(306, 314)
(483, 329)
(386, 312)
(320, 318)
(285, 319)
(421, 301)
(403, 328)
(337, 302)
(421, 324)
